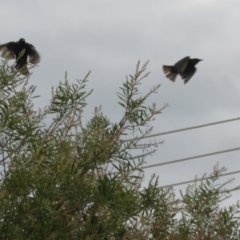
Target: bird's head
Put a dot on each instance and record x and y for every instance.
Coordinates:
(196, 61)
(21, 40)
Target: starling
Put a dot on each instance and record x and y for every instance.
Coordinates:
(185, 67)
(20, 51)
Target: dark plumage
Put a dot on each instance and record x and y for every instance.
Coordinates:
(20, 50)
(185, 67)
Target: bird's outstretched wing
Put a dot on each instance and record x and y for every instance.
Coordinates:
(34, 56)
(181, 64)
(187, 77)
(8, 50)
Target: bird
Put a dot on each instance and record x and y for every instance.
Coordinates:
(184, 67)
(20, 50)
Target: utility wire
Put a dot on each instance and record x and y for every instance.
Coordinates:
(197, 180)
(185, 129)
(194, 157)
(190, 158)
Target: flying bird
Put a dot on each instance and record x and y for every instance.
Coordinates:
(185, 68)
(20, 50)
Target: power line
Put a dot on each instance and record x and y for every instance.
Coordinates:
(197, 180)
(189, 128)
(190, 158)
(194, 157)
(194, 127)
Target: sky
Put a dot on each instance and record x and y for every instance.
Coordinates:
(109, 37)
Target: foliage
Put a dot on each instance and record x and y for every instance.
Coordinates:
(67, 180)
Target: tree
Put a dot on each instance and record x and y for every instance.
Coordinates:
(67, 180)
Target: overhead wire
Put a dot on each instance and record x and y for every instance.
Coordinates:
(194, 157)
(185, 129)
(200, 179)
(190, 158)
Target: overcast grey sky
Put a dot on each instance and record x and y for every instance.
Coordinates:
(109, 37)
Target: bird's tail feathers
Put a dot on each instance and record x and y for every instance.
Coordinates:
(23, 70)
(169, 71)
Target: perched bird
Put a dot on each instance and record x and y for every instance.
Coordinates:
(20, 50)
(185, 67)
